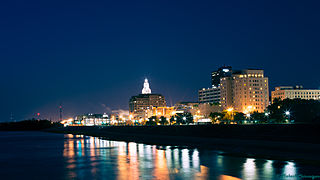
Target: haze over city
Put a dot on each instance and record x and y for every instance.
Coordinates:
(92, 57)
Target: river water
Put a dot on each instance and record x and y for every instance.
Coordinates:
(40, 155)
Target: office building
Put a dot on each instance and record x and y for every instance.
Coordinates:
(245, 91)
(297, 92)
(212, 95)
(209, 95)
(224, 71)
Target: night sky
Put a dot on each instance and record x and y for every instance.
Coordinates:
(94, 55)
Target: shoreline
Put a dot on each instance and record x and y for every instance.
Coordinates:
(305, 152)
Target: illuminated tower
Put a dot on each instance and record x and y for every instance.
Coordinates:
(146, 89)
(140, 105)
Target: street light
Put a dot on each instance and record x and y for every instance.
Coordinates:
(287, 113)
(230, 110)
(248, 116)
(184, 119)
(267, 116)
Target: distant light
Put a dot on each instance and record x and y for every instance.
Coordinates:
(287, 113)
(230, 109)
(225, 70)
(248, 115)
(184, 118)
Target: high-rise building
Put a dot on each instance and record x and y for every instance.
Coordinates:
(212, 95)
(245, 91)
(140, 105)
(284, 92)
(224, 71)
(209, 95)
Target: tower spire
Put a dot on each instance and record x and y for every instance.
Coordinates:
(146, 89)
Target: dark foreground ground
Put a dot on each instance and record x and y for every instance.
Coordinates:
(299, 142)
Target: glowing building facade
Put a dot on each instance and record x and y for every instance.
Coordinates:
(245, 91)
(163, 111)
(91, 120)
(284, 92)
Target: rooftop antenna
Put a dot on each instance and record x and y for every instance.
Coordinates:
(60, 112)
(38, 116)
(12, 118)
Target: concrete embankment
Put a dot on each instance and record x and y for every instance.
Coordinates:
(273, 141)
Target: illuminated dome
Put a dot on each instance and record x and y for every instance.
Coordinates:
(146, 89)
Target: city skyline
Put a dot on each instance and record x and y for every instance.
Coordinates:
(164, 89)
(91, 57)
(108, 109)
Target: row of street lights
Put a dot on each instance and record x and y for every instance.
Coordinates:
(248, 115)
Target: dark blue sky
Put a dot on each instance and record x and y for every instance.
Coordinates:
(93, 55)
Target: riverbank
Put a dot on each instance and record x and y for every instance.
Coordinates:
(28, 125)
(286, 142)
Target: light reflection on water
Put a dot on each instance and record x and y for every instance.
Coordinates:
(40, 155)
(92, 157)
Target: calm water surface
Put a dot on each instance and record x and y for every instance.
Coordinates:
(39, 155)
